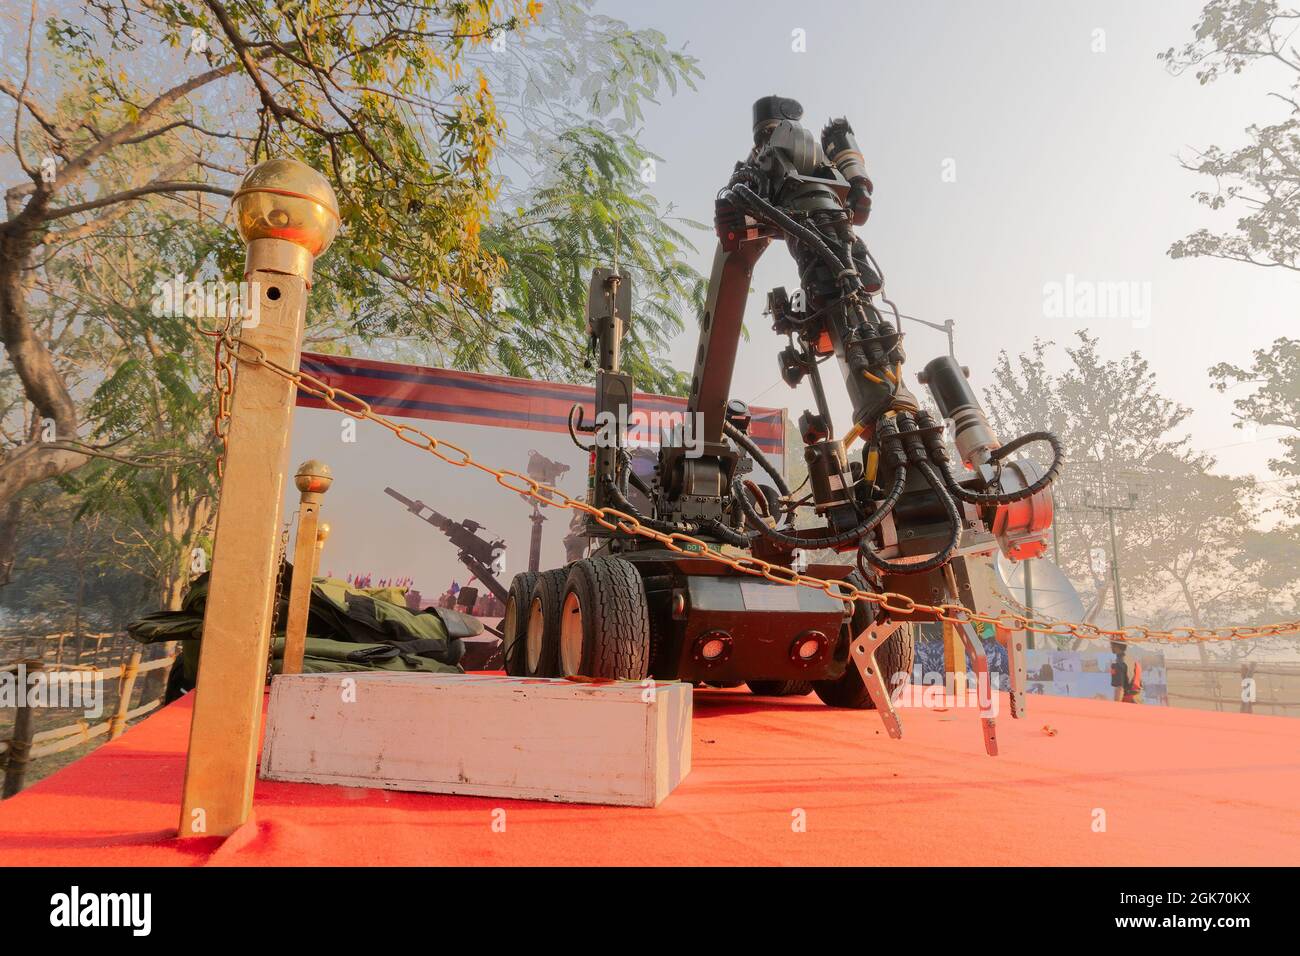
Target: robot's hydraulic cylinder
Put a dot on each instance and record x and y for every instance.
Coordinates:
(841, 148)
(973, 435)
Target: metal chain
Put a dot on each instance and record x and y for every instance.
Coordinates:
(223, 374)
(614, 520)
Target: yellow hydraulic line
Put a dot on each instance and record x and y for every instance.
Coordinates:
(852, 436)
(872, 465)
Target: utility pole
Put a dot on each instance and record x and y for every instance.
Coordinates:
(1114, 568)
(1056, 529)
(1028, 565)
(945, 327)
(1109, 510)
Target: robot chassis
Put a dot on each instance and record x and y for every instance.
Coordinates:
(636, 609)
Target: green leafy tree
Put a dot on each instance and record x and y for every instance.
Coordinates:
(577, 192)
(372, 90)
(482, 169)
(115, 157)
(71, 578)
(153, 403)
(1272, 556)
(1258, 182)
(1273, 378)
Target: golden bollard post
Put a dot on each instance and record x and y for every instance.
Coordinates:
(954, 660)
(287, 215)
(322, 535)
(313, 480)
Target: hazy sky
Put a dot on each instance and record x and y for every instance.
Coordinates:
(1065, 163)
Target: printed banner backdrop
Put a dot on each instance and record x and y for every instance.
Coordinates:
(502, 421)
(498, 400)
(1086, 674)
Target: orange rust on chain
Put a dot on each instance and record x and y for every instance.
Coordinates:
(614, 520)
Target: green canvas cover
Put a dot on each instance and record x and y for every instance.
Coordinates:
(348, 629)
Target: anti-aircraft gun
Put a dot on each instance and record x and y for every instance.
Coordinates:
(477, 553)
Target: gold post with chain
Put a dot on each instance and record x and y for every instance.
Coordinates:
(287, 214)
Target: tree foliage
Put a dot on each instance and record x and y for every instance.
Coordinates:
(1273, 401)
(1258, 182)
(577, 192)
(485, 154)
(1179, 526)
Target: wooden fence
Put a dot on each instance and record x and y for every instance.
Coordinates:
(1272, 689)
(27, 744)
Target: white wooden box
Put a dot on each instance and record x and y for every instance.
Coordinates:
(622, 743)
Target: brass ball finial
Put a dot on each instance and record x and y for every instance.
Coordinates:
(286, 199)
(322, 532)
(313, 477)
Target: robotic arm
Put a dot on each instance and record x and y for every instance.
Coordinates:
(899, 505)
(811, 193)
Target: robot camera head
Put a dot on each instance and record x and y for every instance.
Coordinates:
(770, 111)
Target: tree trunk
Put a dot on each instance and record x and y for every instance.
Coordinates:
(9, 522)
(1194, 610)
(39, 459)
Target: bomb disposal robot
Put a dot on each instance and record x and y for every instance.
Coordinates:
(635, 609)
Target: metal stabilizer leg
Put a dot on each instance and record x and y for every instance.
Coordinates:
(1016, 669)
(983, 689)
(863, 650)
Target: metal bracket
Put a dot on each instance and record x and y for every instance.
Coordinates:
(863, 650)
(987, 710)
(975, 650)
(1016, 670)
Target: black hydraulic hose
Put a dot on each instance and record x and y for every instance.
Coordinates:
(936, 560)
(886, 505)
(710, 526)
(639, 483)
(573, 433)
(1010, 497)
(633, 479)
(654, 524)
(749, 445)
(627, 475)
(728, 535)
(755, 203)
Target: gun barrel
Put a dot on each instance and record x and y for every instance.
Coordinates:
(417, 508)
(394, 493)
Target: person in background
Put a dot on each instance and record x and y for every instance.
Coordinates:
(1125, 675)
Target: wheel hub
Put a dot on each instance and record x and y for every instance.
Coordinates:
(533, 636)
(571, 635)
(509, 625)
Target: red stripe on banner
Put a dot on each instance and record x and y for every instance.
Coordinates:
(474, 398)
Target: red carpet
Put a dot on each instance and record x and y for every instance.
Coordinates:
(1178, 787)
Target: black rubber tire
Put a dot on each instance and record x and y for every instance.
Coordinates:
(780, 688)
(661, 633)
(615, 623)
(548, 595)
(898, 653)
(515, 621)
